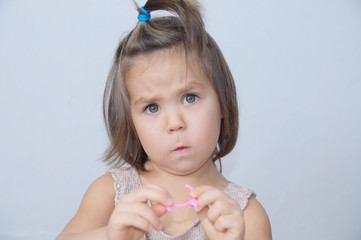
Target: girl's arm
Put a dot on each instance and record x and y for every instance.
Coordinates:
(256, 220)
(132, 217)
(93, 214)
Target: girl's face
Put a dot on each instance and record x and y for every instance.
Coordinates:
(175, 111)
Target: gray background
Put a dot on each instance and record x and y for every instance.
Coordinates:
(298, 74)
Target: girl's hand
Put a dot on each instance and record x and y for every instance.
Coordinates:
(132, 217)
(220, 215)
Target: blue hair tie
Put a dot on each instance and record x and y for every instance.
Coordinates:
(142, 17)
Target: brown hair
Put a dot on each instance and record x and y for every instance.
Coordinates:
(187, 29)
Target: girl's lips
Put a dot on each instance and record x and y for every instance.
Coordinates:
(180, 150)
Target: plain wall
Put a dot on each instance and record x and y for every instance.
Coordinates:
(297, 66)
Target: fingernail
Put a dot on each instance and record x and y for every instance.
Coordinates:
(169, 202)
(160, 226)
(196, 208)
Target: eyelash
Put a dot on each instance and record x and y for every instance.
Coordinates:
(147, 108)
(184, 100)
(190, 95)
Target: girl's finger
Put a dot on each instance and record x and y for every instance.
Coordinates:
(232, 224)
(196, 192)
(207, 196)
(217, 209)
(142, 210)
(159, 209)
(129, 219)
(151, 193)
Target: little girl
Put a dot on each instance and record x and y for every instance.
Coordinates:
(171, 111)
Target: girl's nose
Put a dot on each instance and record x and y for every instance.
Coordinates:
(175, 122)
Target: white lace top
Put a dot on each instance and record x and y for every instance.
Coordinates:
(127, 180)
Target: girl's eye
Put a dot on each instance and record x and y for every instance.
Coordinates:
(152, 108)
(190, 98)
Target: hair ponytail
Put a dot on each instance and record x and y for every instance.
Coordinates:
(186, 27)
(190, 16)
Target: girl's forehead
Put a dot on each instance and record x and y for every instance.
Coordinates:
(171, 60)
(150, 58)
(185, 57)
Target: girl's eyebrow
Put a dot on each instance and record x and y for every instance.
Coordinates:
(192, 85)
(143, 100)
(188, 87)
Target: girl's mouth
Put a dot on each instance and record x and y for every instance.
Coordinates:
(181, 150)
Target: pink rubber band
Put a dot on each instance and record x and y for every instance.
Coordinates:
(192, 202)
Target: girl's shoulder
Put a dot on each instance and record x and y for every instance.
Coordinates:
(101, 187)
(240, 194)
(256, 218)
(125, 180)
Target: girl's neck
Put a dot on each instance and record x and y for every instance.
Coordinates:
(207, 175)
